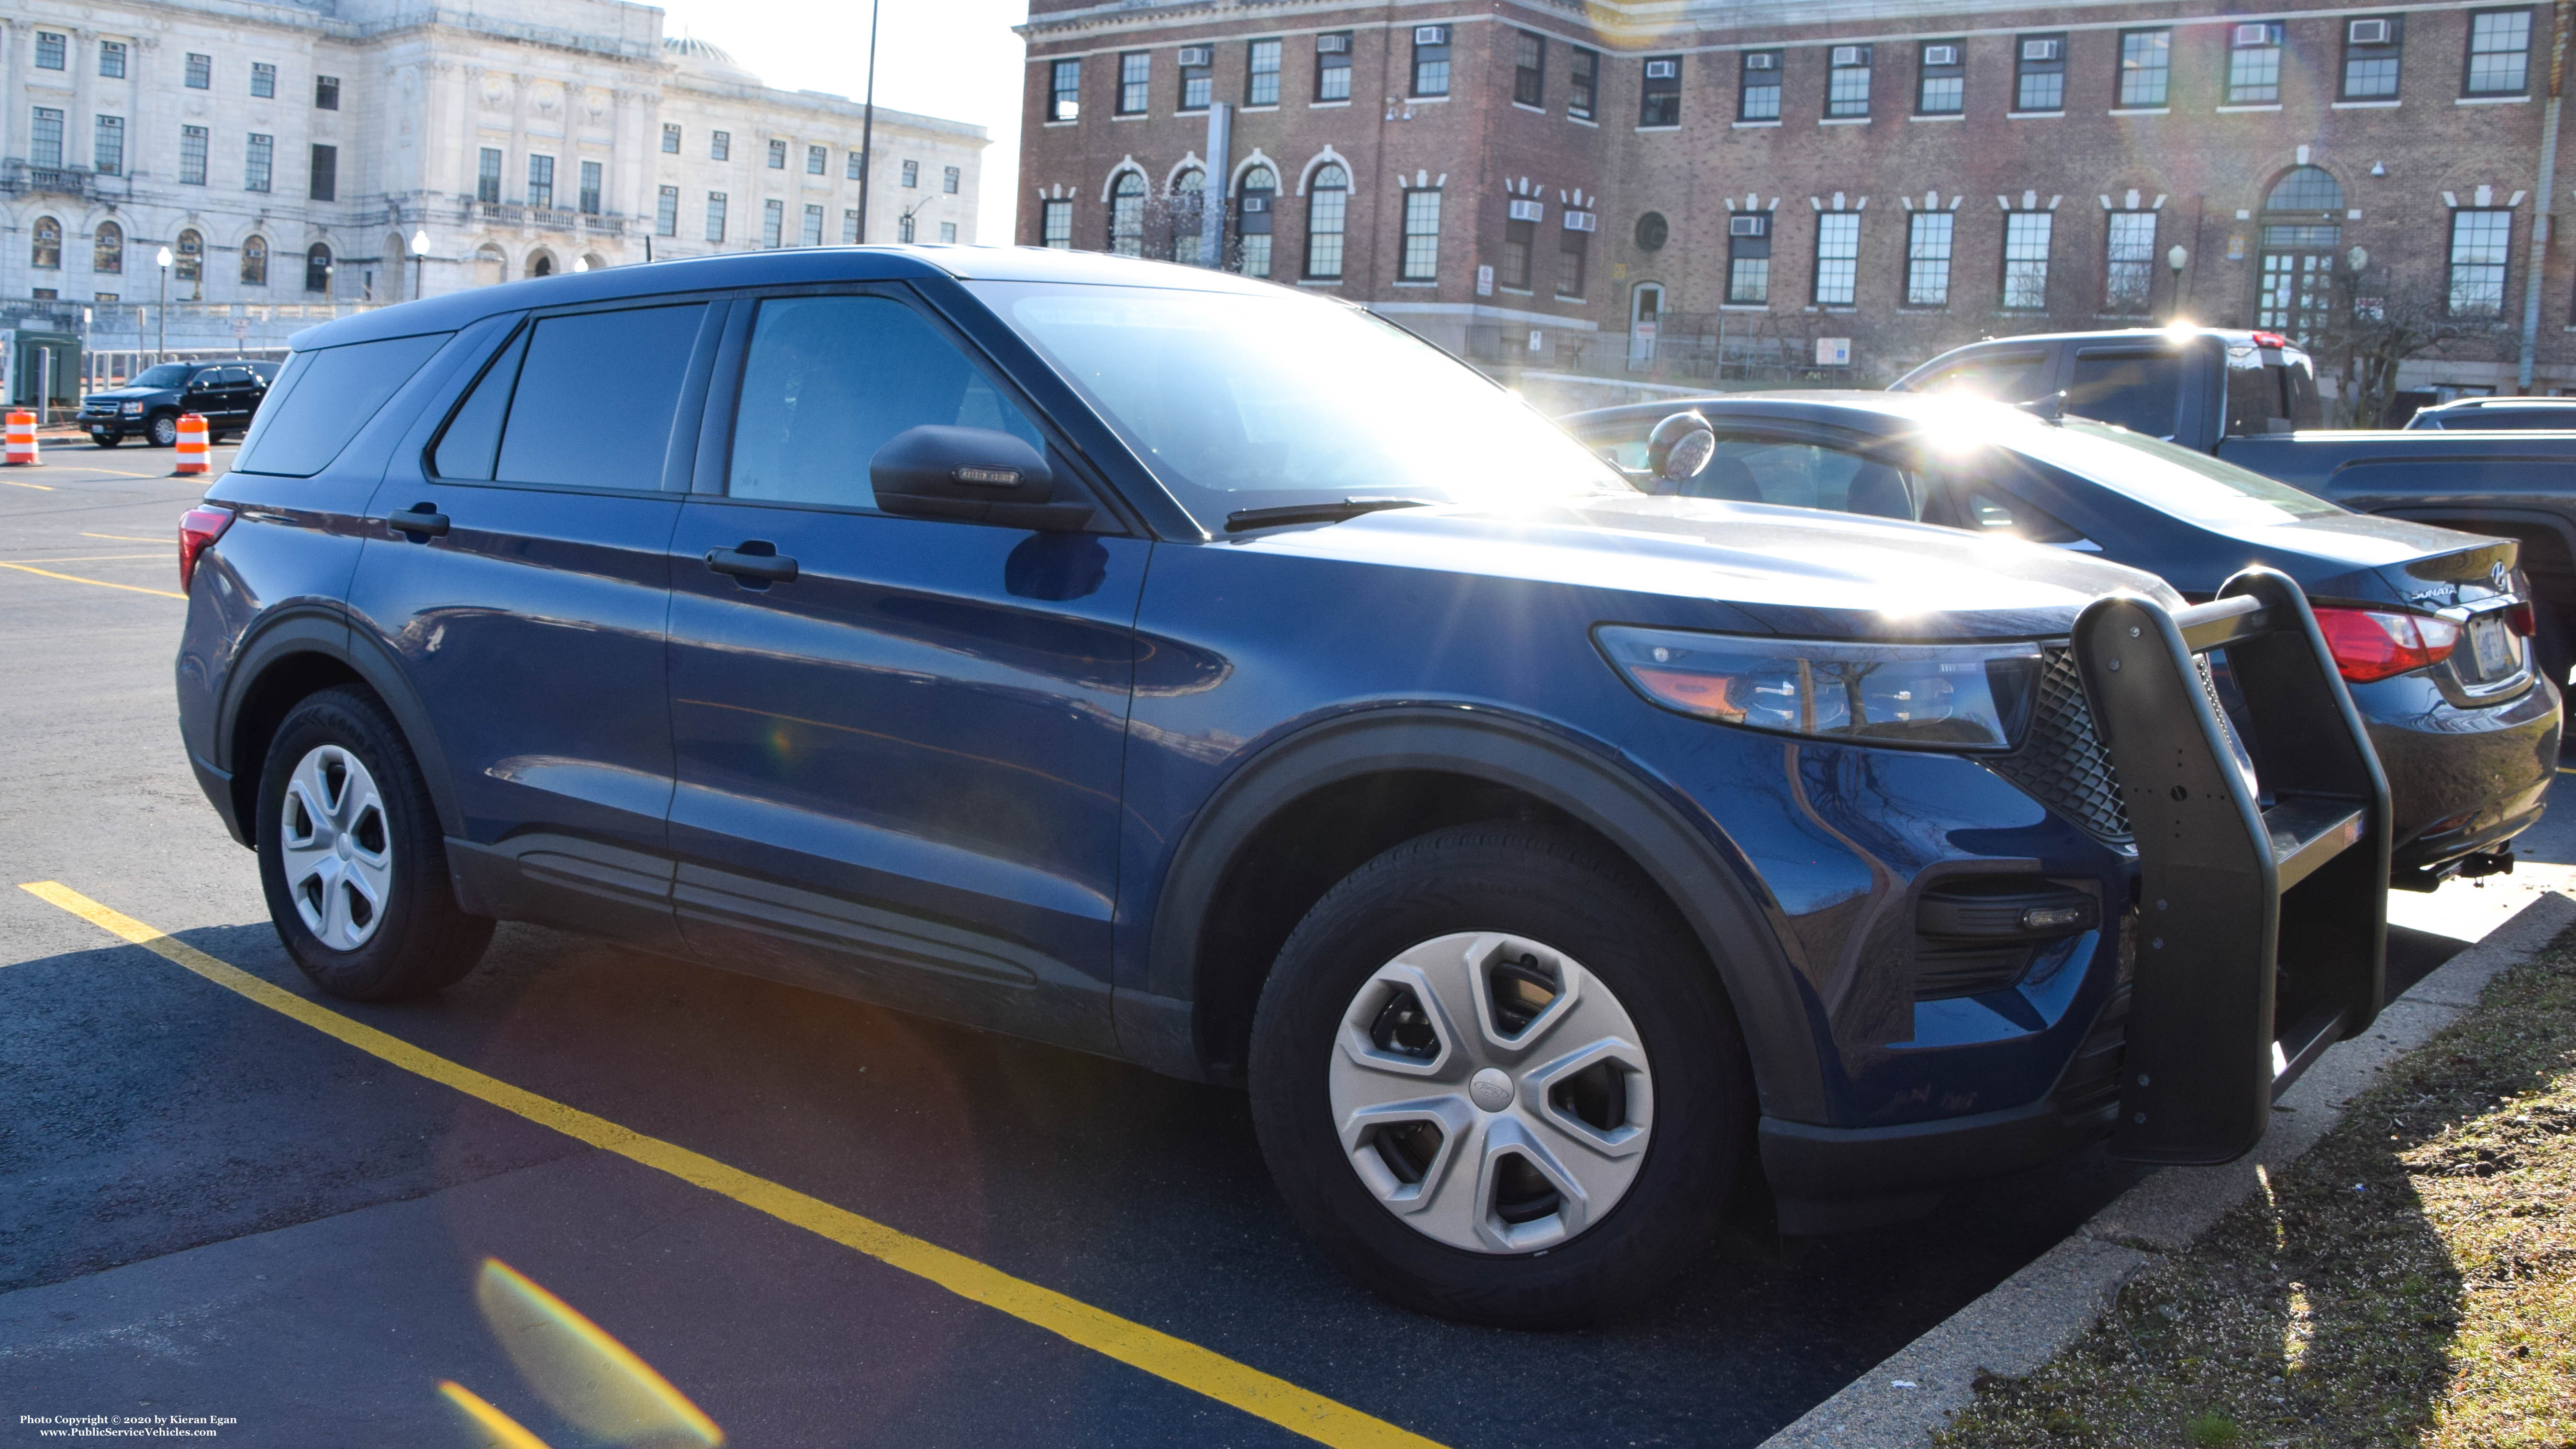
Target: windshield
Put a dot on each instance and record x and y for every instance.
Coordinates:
(168, 374)
(1243, 402)
(2167, 477)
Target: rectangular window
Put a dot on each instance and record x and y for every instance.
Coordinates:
(201, 71)
(813, 232)
(1333, 67)
(818, 160)
(777, 155)
(911, 175)
(1927, 258)
(715, 216)
(2499, 53)
(2026, 235)
(325, 179)
(1135, 75)
(903, 229)
(1837, 258)
(326, 93)
(2478, 242)
(512, 426)
(1757, 96)
(1064, 91)
(1582, 83)
(51, 51)
(1659, 102)
(850, 227)
(2371, 51)
(1056, 229)
(1327, 213)
(853, 164)
(1431, 60)
(948, 233)
(1519, 238)
(2146, 65)
(45, 141)
(1847, 81)
(111, 59)
(720, 145)
(258, 160)
(263, 79)
(2254, 64)
(1573, 252)
(192, 155)
(666, 212)
(1529, 68)
(950, 178)
(670, 140)
(1941, 78)
(2039, 73)
(541, 181)
(2129, 263)
(773, 222)
(1748, 259)
(487, 177)
(107, 146)
(1261, 75)
(1198, 77)
(590, 179)
(1421, 262)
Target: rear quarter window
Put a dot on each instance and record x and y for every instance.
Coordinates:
(2140, 391)
(324, 397)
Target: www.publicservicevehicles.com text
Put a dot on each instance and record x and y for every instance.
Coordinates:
(126, 1426)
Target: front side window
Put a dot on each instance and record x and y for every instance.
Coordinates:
(1431, 60)
(52, 50)
(259, 157)
(263, 80)
(1421, 258)
(317, 269)
(1529, 68)
(2371, 52)
(777, 155)
(590, 187)
(1659, 102)
(326, 93)
(1327, 213)
(1847, 81)
(1927, 258)
(2129, 262)
(541, 181)
(1748, 259)
(1333, 67)
(192, 155)
(1135, 77)
(1127, 215)
(1256, 200)
(2478, 243)
(2146, 66)
(1261, 74)
(45, 248)
(2499, 53)
(670, 140)
(911, 175)
(818, 160)
(2254, 64)
(666, 212)
(201, 71)
(2039, 73)
(1056, 228)
(773, 223)
(1941, 86)
(111, 59)
(487, 177)
(715, 216)
(1837, 258)
(813, 232)
(107, 248)
(254, 262)
(107, 145)
(45, 139)
(2026, 237)
(720, 145)
(1582, 83)
(1064, 91)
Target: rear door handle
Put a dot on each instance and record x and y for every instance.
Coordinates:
(768, 567)
(420, 521)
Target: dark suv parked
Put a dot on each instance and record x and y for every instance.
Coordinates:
(227, 394)
(1189, 670)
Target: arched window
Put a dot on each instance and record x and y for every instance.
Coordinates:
(107, 248)
(489, 265)
(541, 265)
(317, 269)
(2302, 233)
(1127, 215)
(1327, 209)
(1254, 202)
(46, 252)
(1189, 215)
(191, 252)
(2305, 188)
(254, 267)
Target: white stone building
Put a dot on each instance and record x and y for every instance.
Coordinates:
(288, 154)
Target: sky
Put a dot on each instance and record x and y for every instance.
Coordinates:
(955, 59)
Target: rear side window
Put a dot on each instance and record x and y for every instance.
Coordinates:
(583, 401)
(324, 397)
(2006, 377)
(1805, 475)
(2140, 391)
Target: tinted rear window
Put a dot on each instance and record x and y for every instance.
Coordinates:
(325, 396)
(584, 401)
(2140, 391)
(2005, 377)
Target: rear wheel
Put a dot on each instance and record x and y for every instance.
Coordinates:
(1497, 1081)
(351, 859)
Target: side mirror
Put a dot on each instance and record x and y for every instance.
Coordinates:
(1680, 447)
(972, 475)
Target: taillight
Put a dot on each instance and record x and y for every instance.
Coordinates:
(2521, 620)
(2369, 644)
(197, 528)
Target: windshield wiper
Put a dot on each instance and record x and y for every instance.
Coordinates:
(1243, 519)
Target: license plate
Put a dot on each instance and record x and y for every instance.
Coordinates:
(2494, 645)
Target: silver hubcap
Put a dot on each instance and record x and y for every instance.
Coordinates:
(1491, 1092)
(338, 850)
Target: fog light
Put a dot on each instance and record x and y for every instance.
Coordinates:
(2052, 918)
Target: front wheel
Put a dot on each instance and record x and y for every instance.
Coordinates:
(351, 859)
(1497, 1081)
(165, 430)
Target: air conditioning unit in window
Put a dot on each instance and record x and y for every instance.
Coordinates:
(1748, 226)
(1851, 55)
(1529, 210)
(1663, 69)
(1582, 221)
(2253, 35)
(1198, 55)
(2043, 50)
(1431, 35)
(1332, 45)
(1762, 60)
(2368, 32)
(1940, 55)
(1255, 202)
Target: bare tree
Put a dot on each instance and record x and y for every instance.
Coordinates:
(2382, 321)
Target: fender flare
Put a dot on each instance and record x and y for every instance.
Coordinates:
(331, 634)
(1687, 859)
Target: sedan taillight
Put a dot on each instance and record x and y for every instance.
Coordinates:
(197, 528)
(2370, 644)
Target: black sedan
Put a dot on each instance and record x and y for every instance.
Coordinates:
(2431, 628)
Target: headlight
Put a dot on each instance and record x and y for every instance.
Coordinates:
(133, 407)
(1923, 696)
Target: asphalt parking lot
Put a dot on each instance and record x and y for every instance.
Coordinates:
(823, 1223)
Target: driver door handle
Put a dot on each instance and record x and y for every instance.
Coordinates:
(769, 567)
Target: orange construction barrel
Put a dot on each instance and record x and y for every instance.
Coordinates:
(192, 444)
(22, 440)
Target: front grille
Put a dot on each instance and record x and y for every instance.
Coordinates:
(2062, 764)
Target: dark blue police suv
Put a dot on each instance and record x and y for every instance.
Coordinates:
(1179, 668)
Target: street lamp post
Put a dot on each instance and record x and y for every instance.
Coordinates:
(419, 263)
(868, 125)
(161, 348)
(2177, 258)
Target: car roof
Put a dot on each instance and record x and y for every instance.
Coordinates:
(2471, 404)
(2231, 336)
(1822, 404)
(785, 267)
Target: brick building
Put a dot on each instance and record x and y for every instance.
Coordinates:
(1675, 192)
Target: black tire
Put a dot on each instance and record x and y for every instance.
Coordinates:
(421, 941)
(1593, 907)
(164, 430)
(107, 440)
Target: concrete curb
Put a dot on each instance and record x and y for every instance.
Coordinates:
(2023, 1321)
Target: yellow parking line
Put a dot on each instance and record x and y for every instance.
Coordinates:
(105, 558)
(125, 538)
(1174, 1360)
(102, 583)
(14, 483)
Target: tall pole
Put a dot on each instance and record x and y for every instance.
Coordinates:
(868, 123)
(2546, 187)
